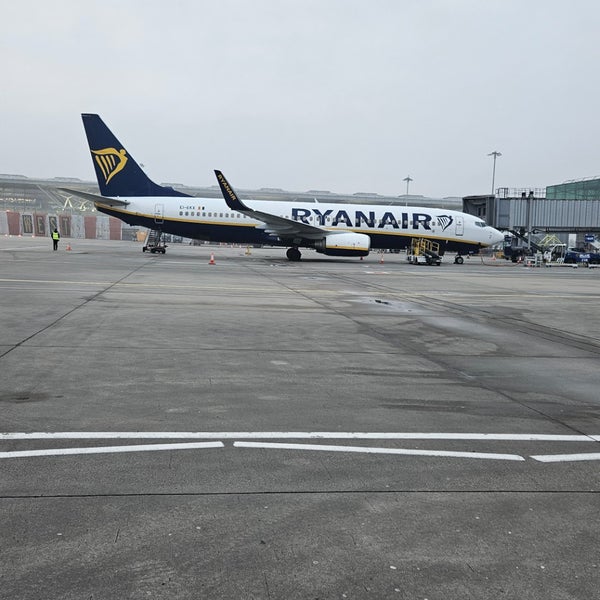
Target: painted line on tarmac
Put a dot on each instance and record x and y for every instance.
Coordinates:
(334, 435)
(110, 449)
(134, 285)
(365, 450)
(566, 457)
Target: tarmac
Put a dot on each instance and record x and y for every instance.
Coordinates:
(261, 429)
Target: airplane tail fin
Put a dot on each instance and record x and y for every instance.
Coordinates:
(117, 172)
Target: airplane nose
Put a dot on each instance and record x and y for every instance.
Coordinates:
(496, 236)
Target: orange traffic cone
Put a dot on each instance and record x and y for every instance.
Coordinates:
(212, 259)
(68, 246)
(381, 260)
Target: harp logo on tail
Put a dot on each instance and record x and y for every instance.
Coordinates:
(110, 161)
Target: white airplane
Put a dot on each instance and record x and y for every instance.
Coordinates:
(331, 229)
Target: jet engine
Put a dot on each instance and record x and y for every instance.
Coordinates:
(344, 244)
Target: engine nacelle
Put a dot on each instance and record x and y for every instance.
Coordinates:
(344, 244)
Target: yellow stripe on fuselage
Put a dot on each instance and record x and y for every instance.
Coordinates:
(404, 234)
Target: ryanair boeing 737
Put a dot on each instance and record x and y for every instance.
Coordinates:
(331, 229)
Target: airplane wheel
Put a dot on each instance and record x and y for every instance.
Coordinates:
(293, 254)
(459, 260)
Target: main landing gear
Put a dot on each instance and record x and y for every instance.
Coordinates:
(293, 254)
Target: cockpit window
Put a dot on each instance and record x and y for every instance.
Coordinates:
(480, 224)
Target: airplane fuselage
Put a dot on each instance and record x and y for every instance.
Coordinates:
(389, 227)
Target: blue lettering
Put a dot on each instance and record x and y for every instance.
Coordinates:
(361, 217)
(421, 218)
(388, 219)
(301, 214)
(322, 216)
(342, 216)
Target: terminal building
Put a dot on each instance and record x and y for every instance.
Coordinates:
(30, 206)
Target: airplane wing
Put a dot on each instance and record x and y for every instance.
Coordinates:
(95, 198)
(280, 226)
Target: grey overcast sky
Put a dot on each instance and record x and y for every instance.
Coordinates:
(340, 95)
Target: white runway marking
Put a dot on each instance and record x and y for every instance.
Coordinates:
(296, 435)
(333, 435)
(366, 450)
(566, 457)
(110, 449)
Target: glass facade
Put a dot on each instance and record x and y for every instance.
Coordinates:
(584, 189)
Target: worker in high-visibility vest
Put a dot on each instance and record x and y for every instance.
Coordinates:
(55, 238)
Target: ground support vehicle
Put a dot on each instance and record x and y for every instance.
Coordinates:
(154, 242)
(424, 252)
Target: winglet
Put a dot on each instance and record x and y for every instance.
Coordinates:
(229, 195)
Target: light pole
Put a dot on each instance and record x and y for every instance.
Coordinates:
(408, 179)
(495, 154)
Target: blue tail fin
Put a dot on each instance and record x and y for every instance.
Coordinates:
(117, 172)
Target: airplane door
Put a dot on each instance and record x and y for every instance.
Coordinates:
(159, 213)
(460, 226)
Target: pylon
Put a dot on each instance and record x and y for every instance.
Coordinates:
(248, 251)
(212, 259)
(68, 246)
(381, 260)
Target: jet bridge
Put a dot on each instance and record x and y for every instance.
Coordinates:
(526, 212)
